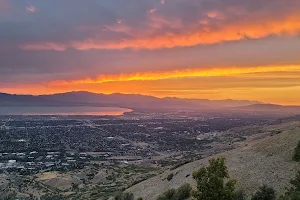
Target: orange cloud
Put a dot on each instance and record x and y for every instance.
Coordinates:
(289, 25)
(180, 74)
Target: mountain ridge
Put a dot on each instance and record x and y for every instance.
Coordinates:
(84, 98)
(142, 102)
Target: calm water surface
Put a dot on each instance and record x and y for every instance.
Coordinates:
(99, 111)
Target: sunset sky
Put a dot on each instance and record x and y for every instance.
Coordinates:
(215, 49)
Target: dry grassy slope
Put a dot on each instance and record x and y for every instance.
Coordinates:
(265, 161)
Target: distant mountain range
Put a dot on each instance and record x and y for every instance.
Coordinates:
(270, 108)
(136, 101)
(132, 101)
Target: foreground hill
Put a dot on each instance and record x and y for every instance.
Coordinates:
(257, 162)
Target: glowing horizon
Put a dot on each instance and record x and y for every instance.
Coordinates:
(222, 49)
(209, 83)
(151, 76)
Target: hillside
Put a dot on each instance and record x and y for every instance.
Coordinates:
(257, 162)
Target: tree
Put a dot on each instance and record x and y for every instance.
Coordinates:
(264, 193)
(296, 156)
(211, 182)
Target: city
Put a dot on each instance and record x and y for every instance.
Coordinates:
(98, 151)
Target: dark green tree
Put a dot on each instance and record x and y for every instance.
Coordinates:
(264, 193)
(211, 182)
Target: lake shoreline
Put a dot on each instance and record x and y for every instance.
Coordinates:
(63, 111)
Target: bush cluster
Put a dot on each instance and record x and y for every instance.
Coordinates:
(182, 193)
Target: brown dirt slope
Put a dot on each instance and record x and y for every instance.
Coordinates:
(264, 161)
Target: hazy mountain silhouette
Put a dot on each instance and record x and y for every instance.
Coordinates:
(133, 101)
(269, 108)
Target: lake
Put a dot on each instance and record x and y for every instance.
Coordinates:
(97, 111)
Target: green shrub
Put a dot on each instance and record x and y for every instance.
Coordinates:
(240, 195)
(211, 182)
(293, 196)
(296, 183)
(296, 156)
(294, 192)
(167, 195)
(264, 193)
(182, 193)
(52, 197)
(170, 176)
(180, 164)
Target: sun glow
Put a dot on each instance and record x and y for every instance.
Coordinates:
(147, 76)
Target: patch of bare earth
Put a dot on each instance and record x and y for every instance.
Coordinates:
(58, 180)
